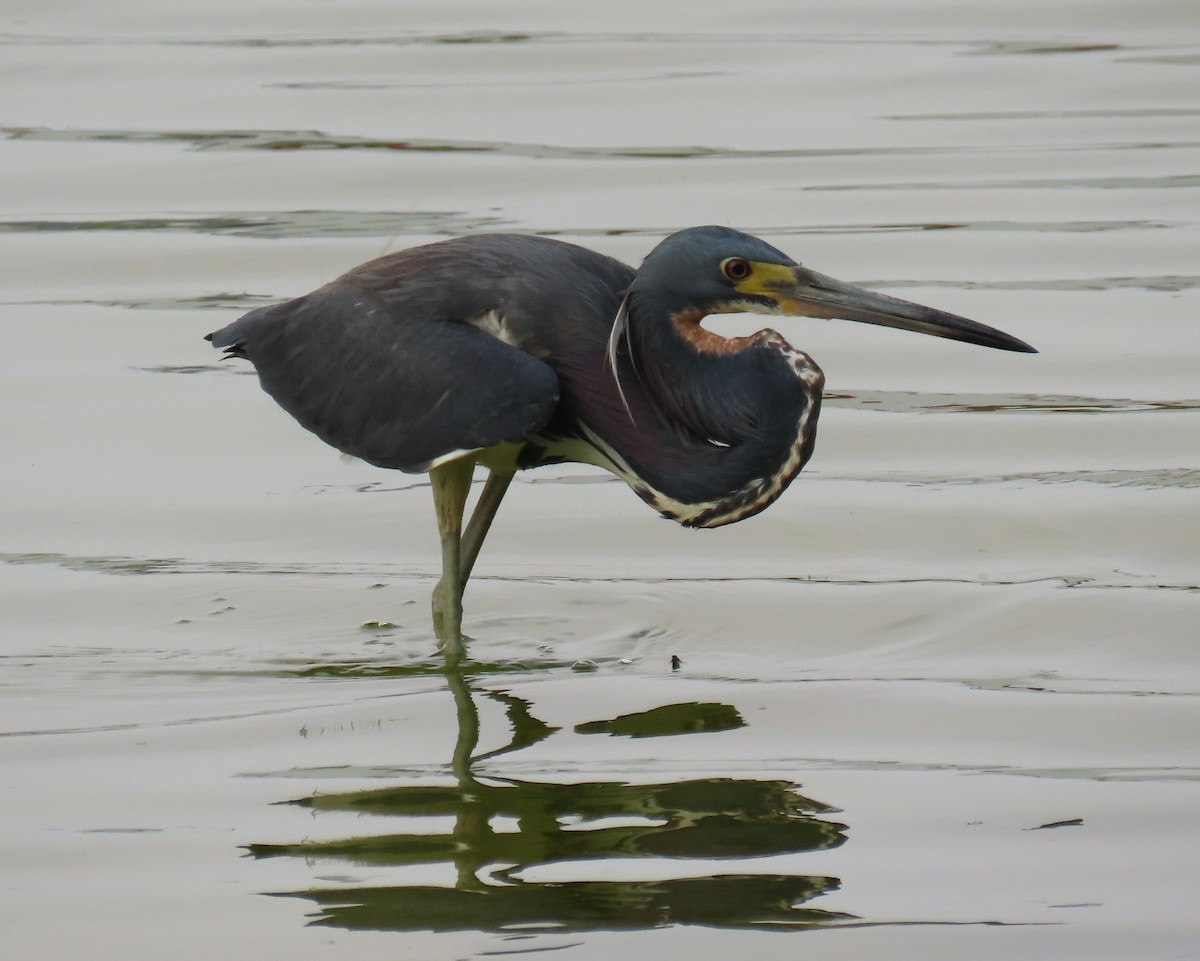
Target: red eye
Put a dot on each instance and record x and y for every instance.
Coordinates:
(736, 269)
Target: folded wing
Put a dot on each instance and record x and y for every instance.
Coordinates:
(398, 391)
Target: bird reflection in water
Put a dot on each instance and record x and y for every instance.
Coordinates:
(495, 870)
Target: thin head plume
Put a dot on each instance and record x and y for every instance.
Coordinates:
(620, 332)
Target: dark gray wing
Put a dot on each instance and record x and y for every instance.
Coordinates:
(396, 390)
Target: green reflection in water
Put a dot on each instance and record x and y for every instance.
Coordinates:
(764, 901)
(705, 818)
(498, 834)
(669, 719)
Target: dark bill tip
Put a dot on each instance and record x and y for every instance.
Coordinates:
(815, 295)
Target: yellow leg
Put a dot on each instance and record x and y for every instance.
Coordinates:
(451, 483)
(481, 519)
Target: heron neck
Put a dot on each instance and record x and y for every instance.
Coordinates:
(698, 380)
(724, 424)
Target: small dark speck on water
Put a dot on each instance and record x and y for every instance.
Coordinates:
(676, 663)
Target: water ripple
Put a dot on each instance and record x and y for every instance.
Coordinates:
(291, 224)
(318, 140)
(556, 37)
(1105, 113)
(916, 402)
(640, 80)
(1166, 478)
(1027, 47)
(1166, 283)
(1164, 182)
(280, 224)
(127, 565)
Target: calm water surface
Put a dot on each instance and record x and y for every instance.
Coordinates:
(941, 700)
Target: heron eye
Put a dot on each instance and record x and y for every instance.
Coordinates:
(736, 269)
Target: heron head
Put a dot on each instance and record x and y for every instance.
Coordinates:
(706, 268)
(709, 270)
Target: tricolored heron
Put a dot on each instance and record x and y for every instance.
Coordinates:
(514, 351)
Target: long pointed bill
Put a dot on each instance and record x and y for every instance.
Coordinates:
(807, 293)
